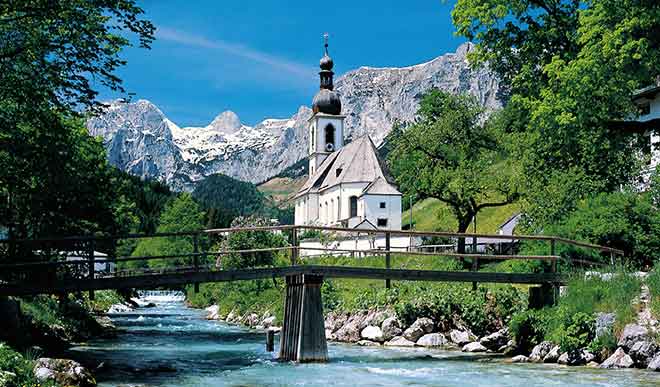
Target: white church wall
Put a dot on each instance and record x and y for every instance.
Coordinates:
(391, 212)
(320, 123)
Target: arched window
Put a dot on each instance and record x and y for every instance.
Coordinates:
(329, 138)
(353, 206)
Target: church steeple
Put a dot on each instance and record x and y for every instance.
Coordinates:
(326, 101)
(326, 127)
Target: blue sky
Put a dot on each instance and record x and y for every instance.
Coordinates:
(260, 58)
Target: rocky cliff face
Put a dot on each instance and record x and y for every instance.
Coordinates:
(141, 140)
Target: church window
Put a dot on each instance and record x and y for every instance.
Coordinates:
(382, 222)
(353, 206)
(382, 204)
(338, 172)
(329, 138)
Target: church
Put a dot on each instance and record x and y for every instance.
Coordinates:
(348, 185)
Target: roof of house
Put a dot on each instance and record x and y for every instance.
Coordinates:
(380, 187)
(357, 162)
(647, 92)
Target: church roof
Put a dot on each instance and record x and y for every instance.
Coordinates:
(357, 162)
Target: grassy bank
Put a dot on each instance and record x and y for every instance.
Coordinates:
(16, 369)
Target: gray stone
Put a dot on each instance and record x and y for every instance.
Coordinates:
(654, 364)
(642, 352)
(575, 358)
(376, 318)
(418, 329)
(496, 340)
(632, 333)
(474, 347)
(252, 320)
(350, 332)
(519, 359)
(391, 328)
(604, 323)
(372, 333)
(432, 340)
(553, 355)
(119, 308)
(563, 359)
(64, 372)
(333, 321)
(461, 338)
(212, 312)
(619, 359)
(540, 351)
(368, 343)
(399, 342)
(593, 364)
(268, 322)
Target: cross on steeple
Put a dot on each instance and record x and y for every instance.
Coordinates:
(325, 41)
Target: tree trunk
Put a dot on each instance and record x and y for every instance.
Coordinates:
(463, 224)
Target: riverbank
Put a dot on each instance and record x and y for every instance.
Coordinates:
(173, 345)
(601, 320)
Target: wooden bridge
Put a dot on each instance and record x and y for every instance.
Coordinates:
(89, 263)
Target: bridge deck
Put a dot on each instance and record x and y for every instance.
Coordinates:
(182, 278)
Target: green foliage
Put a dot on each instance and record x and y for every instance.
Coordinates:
(227, 198)
(577, 332)
(529, 328)
(181, 214)
(249, 240)
(653, 282)
(449, 155)
(570, 68)
(19, 365)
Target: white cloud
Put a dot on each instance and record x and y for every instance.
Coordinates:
(238, 50)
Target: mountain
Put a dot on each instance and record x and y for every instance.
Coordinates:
(142, 141)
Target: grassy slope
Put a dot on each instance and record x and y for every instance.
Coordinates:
(282, 189)
(433, 215)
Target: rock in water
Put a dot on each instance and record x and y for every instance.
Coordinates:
(432, 340)
(391, 328)
(618, 360)
(65, 372)
(350, 332)
(642, 352)
(372, 333)
(461, 338)
(368, 343)
(654, 364)
(540, 351)
(632, 333)
(474, 347)
(418, 329)
(495, 340)
(553, 355)
(399, 342)
(212, 312)
(519, 359)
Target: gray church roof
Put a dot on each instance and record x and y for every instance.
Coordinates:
(357, 162)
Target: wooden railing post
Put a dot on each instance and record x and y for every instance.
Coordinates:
(90, 265)
(294, 246)
(553, 252)
(388, 256)
(196, 258)
(553, 269)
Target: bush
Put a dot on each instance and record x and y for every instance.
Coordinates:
(577, 331)
(20, 366)
(528, 329)
(653, 282)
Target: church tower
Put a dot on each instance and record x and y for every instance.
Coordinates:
(326, 126)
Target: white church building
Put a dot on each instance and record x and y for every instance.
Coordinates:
(348, 185)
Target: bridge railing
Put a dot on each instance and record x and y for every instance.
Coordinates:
(49, 260)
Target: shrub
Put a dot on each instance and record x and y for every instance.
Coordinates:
(529, 328)
(576, 332)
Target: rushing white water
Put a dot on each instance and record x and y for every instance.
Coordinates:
(161, 296)
(172, 345)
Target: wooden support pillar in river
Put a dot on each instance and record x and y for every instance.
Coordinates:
(303, 331)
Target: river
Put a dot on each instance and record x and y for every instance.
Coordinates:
(172, 345)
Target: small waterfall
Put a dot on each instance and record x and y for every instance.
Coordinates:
(160, 296)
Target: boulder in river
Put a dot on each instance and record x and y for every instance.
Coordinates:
(399, 342)
(654, 364)
(432, 340)
(461, 338)
(350, 332)
(553, 355)
(540, 351)
(119, 308)
(391, 328)
(213, 312)
(520, 359)
(632, 333)
(418, 329)
(64, 372)
(619, 359)
(474, 347)
(642, 352)
(368, 343)
(372, 333)
(495, 340)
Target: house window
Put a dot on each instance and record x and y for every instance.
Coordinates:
(353, 206)
(382, 204)
(338, 172)
(645, 109)
(382, 222)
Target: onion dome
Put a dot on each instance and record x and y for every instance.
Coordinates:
(326, 100)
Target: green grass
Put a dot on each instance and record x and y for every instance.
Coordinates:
(433, 215)
(653, 282)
